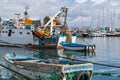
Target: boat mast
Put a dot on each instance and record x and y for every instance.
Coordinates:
(91, 22)
(65, 10)
(63, 13)
(65, 27)
(98, 22)
(26, 13)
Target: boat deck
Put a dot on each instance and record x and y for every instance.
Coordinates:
(21, 75)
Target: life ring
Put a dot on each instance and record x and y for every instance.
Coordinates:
(81, 76)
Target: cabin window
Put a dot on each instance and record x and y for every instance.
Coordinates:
(20, 32)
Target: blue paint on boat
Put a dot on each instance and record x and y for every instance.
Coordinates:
(73, 44)
(77, 46)
(40, 41)
(23, 58)
(12, 57)
(61, 35)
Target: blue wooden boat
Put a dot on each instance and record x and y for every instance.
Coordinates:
(39, 69)
(77, 46)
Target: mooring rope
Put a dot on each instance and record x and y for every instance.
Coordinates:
(84, 41)
(108, 65)
(107, 74)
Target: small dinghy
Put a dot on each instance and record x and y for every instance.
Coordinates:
(77, 46)
(39, 69)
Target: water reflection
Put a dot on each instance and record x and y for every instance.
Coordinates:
(4, 74)
(46, 54)
(61, 54)
(74, 54)
(107, 51)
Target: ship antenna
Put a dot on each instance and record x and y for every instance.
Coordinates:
(26, 13)
(18, 15)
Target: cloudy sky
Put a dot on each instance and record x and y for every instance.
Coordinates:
(81, 13)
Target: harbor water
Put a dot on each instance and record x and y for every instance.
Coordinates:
(107, 52)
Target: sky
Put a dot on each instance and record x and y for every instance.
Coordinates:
(81, 13)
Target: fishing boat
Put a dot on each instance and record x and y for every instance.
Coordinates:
(39, 69)
(27, 33)
(77, 46)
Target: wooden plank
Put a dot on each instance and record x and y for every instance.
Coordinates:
(26, 77)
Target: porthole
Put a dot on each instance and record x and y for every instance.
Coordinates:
(20, 32)
(28, 33)
(13, 32)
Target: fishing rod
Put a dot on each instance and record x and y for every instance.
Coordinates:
(108, 65)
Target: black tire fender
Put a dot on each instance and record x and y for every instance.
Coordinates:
(78, 76)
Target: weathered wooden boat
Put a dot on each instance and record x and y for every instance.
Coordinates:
(77, 46)
(49, 69)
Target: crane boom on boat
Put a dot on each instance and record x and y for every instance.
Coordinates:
(61, 13)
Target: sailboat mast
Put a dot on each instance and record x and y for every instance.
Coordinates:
(98, 23)
(91, 22)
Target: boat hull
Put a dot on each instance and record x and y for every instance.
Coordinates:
(77, 47)
(49, 71)
(17, 36)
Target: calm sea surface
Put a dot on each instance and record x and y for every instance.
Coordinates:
(107, 52)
